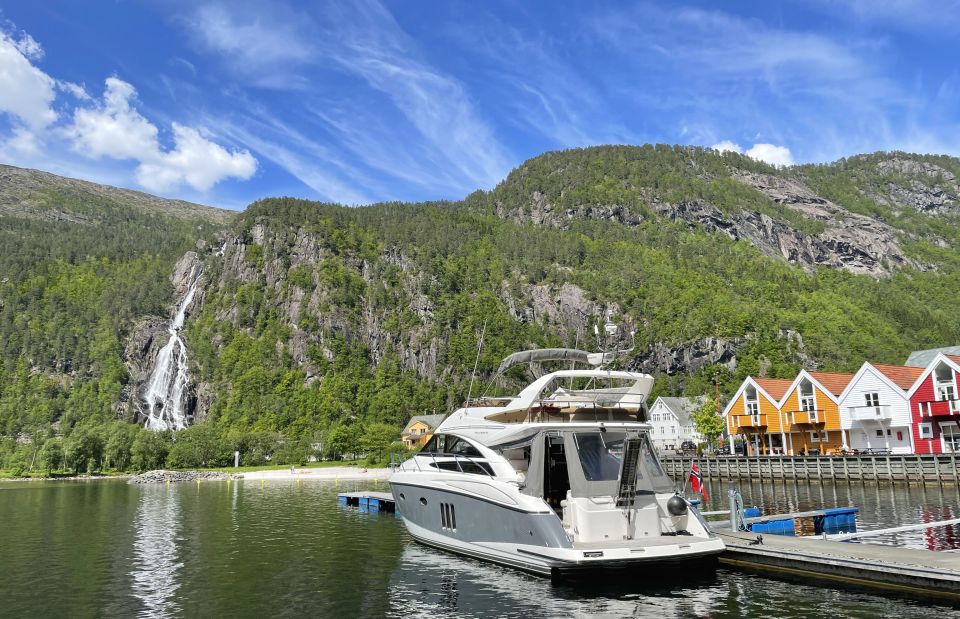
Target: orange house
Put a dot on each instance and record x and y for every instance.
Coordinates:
(754, 413)
(811, 413)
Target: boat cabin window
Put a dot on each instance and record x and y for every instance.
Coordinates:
(445, 444)
(435, 445)
(463, 466)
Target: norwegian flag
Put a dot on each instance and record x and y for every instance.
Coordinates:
(696, 482)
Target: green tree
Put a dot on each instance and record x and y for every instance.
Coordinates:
(51, 456)
(83, 450)
(376, 441)
(342, 440)
(707, 422)
(149, 450)
(120, 437)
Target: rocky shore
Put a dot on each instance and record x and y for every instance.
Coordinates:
(159, 477)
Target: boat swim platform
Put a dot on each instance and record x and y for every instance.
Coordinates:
(369, 501)
(904, 571)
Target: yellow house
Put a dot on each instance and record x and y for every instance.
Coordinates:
(811, 413)
(419, 430)
(754, 413)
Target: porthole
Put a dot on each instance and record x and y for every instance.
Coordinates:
(402, 498)
(423, 501)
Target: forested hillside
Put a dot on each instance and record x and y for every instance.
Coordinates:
(322, 324)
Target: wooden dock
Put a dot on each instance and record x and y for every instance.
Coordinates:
(897, 469)
(901, 570)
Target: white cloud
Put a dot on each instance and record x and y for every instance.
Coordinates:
(771, 153)
(431, 115)
(196, 161)
(114, 128)
(26, 92)
(29, 47)
(727, 146)
(768, 153)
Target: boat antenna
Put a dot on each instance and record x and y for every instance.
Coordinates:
(476, 363)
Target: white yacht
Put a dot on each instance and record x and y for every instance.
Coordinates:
(558, 480)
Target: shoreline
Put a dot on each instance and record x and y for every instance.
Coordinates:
(330, 473)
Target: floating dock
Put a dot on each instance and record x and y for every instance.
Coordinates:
(901, 570)
(369, 501)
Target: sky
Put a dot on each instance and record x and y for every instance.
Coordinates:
(223, 103)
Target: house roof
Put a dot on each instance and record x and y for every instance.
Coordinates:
(683, 407)
(902, 376)
(776, 387)
(432, 421)
(953, 360)
(922, 358)
(833, 382)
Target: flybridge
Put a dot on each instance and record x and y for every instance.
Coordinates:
(570, 395)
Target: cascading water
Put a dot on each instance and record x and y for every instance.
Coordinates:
(167, 387)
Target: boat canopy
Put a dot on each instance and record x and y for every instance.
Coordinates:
(553, 354)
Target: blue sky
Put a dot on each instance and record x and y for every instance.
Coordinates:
(226, 102)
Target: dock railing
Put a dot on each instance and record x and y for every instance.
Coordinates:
(898, 469)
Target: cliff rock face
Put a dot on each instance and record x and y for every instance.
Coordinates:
(849, 241)
(318, 286)
(918, 185)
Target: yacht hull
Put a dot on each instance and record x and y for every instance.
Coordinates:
(535, 541)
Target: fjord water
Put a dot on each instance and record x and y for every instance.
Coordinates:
(106, 548)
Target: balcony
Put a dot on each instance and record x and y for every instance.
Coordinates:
(870, 413)
(929, 408)
(805, 417)
(750, 421)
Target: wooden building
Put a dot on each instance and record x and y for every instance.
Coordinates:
(811, 413)
(419, 430)
(754, 414)
(875, 410)
(935, 407)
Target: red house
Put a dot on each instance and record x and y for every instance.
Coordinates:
(935, 407)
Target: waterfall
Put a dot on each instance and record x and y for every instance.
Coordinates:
(169, 380)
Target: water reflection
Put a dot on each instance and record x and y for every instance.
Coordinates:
(431, 583)
(155, 565)
(881, 507)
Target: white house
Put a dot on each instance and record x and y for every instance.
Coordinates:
(875, 408)
(672, 421)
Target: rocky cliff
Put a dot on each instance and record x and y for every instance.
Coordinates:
(710, 265)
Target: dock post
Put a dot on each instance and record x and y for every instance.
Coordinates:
(903, 467)
(889, 471)
(833, 473)
(876, 474)
(923, 472)
(953, 466)
(936, 461)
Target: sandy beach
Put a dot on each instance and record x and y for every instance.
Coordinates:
(326, 473)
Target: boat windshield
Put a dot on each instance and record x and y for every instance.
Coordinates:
(600, 454)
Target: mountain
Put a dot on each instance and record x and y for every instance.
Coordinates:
(81, 263)
(309, 317)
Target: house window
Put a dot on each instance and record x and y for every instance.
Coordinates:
(751, 403)
(873, 399)
(879, 432)
(943, 377)
(899, 435)
(819, 436)
(951, 437)
(926, 430)
(806, 396)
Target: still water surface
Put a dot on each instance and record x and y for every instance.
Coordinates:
(216, 549)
